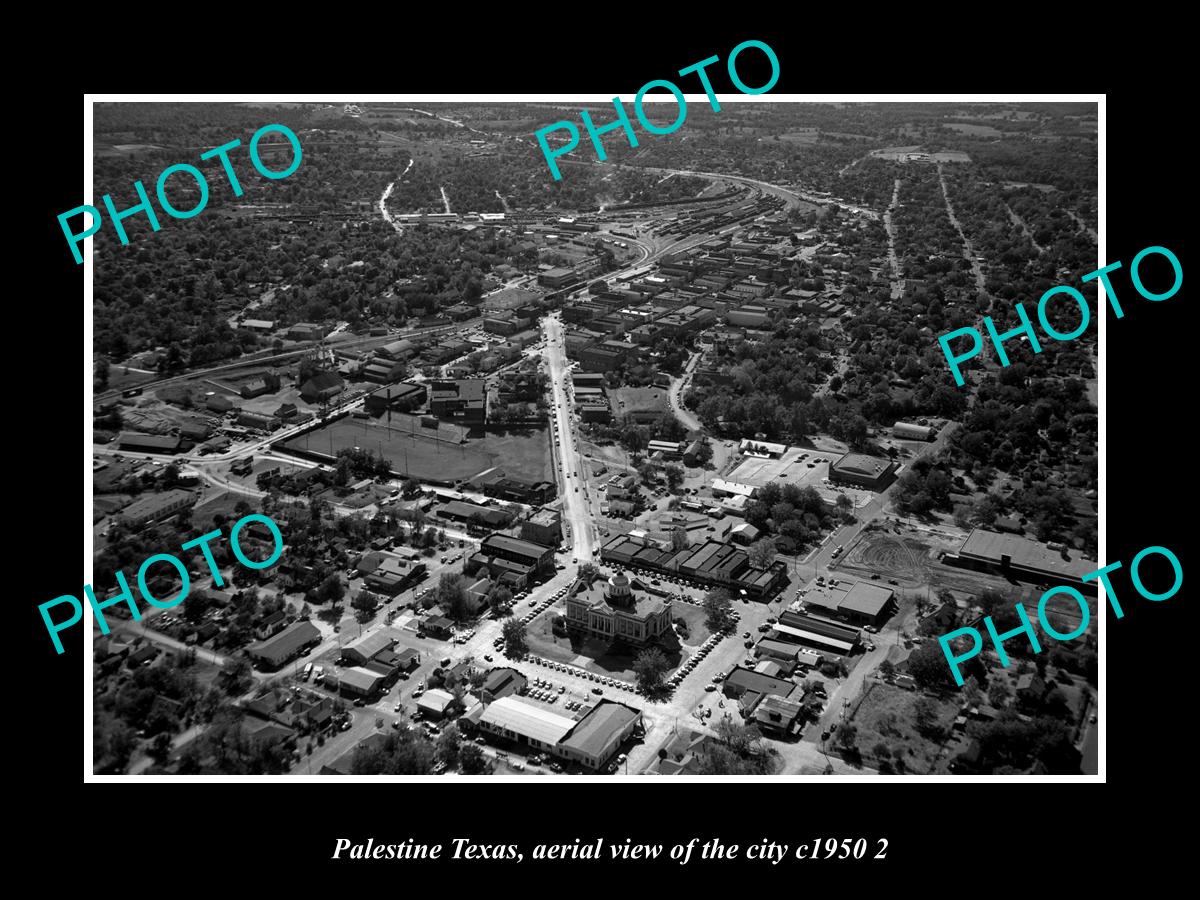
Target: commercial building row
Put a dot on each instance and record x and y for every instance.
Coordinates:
(713, 563)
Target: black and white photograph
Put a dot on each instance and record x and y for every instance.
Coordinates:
(508, 439)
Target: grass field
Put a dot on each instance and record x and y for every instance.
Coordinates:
(887, 715)
(974, 130)
(523, 453)
(647, 399)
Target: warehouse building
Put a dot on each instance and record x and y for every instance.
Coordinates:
(403, 397)
(906, 431)
(463, 400)
(366, 648)
(258, 420)
(287, 645)
(872, 472)
(156, 507)
(1022, 559)
(598, 735)
(306, 331)
(859, 603)
(820, 633)
(322, 387)
(148, 443)
(525, 720)
(524, 553)
(472, 513)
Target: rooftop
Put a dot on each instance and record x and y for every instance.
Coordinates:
(595, 731)
(528, 718)
(1030, 554)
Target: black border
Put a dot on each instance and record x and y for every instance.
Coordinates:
(1148, 401)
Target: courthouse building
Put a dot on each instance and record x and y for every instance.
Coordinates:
(610, 609)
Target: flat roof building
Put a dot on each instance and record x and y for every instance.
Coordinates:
(861, 603)
(155, 507)
(599, 734)
(285, 646)
(148, 443)
(527, 553)
(872, 472)
(1023, 559)
(522, 719)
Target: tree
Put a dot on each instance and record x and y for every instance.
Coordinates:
(650, 666)
(927, 665)
(500, 599)
(364, 605)
(588, 572)
(762, 553)
(515, 642)
(925, 713)
(718, 609)
(449, 743)
(471, 760)
(847, 735)
(887, 669)
(998, 693)
(972, 692)
(452, 596)
(679, 539)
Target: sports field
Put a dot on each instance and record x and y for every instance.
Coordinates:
(523, 453)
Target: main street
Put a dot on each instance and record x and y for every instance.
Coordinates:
(569, 464)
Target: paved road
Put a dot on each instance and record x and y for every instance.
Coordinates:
(968, 250)
(897, 280)
(569, 466)
(675, 396)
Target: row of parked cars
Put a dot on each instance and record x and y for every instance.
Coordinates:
(582, 673)
(695, 659)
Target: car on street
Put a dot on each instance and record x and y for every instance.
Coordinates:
(710, 687)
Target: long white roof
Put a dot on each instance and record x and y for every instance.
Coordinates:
(528, 719)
